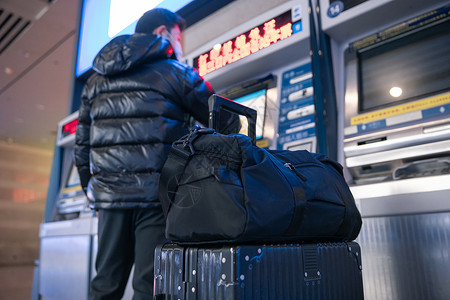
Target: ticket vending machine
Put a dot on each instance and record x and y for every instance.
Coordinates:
(264, 63)
(394, 81)
(69, 232)
(71, 201)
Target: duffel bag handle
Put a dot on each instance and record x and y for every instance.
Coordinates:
(218, 104)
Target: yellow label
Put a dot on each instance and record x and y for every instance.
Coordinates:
(71, 189)
(401, 109)
(262, 143)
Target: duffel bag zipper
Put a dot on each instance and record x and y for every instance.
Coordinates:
(292, 168)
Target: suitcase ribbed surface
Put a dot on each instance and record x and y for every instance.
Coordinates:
(322, 271)
(169, 265)
(315, 271)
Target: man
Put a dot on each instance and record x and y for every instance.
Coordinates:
(135, 105)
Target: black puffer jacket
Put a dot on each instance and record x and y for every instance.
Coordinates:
(136, 104)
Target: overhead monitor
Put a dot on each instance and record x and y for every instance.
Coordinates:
(102, 20)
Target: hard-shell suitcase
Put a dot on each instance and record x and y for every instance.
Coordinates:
(291, 271)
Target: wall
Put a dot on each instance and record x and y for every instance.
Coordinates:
(24, 175)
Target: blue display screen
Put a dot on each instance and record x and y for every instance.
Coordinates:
(102, 20)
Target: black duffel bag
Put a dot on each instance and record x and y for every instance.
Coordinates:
(223, 188)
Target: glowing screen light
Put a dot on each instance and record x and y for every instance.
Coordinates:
(257, 101)
(101, 20)
(252, 41)
(123, 13)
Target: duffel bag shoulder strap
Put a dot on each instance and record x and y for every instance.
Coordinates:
(175, 165)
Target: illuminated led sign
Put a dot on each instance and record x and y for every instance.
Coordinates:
(252, 41)
(69, 128)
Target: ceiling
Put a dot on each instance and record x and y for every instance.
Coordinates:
(36, 53)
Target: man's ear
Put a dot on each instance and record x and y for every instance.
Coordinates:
(159, 30)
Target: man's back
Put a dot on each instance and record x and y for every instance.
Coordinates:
(133, 108)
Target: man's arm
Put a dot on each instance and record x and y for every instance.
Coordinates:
(196, 102)
(82, 144)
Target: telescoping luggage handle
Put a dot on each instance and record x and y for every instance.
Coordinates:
(218, 104)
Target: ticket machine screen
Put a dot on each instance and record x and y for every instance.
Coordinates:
(257, 101)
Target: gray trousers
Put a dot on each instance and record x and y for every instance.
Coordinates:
(126, 237)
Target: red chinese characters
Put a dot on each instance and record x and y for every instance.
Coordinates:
(243, 45)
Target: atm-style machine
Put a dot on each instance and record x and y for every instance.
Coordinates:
(392, 81)
(394, 76)
(264, 63)
(71, 201)
(69, 232)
